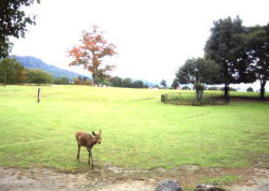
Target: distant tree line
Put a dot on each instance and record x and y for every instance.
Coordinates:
(125, 82)
(233, 54)
(12, 72)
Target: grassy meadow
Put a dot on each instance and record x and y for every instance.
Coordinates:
(138, 130)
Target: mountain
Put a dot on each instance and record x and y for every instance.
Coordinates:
(36, 63)
(148, 83)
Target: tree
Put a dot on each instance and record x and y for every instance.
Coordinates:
(13, 22)
(116, 81)
(138, 84)
(225, 48)
(11, 71)
(163, 83)
(175, 84)
(127, 82)
(91, 53)
(257, 43)
(198, 70)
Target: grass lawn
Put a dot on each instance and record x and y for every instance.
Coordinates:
(138, 130)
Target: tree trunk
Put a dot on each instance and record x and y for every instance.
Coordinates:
(262, 90)
(94, 79)
(199, 96)
(5, 82)
(226, 93)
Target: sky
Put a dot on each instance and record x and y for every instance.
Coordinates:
(153, 37)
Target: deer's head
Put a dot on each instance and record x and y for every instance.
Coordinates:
(97, 136)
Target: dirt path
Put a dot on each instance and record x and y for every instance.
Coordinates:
(118, 179)
(259, 182)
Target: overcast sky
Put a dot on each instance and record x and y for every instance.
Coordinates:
(154, 37)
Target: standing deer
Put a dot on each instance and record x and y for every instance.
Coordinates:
(87, 140)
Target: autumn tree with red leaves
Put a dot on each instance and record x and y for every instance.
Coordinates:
(91, 52)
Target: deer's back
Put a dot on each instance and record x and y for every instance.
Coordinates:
(84, 139)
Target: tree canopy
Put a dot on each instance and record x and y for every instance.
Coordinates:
(198, 70)
(226, 49)
(257, 49)
(13, 22)
(163, 83)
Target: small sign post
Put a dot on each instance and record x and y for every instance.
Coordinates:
(38, 95)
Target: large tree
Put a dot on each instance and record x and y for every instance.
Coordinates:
(226, 49)
(257, 49)
(13, 22)
(91, 52)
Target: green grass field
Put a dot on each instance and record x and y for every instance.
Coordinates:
(138, 130)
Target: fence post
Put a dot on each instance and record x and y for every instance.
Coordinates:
(38, 95)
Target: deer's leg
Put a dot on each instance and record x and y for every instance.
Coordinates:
(78, 153)
(90, 156)
(91, 159)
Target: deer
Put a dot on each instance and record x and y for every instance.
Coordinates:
(87, 140)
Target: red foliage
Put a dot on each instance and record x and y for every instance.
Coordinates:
(89, 54)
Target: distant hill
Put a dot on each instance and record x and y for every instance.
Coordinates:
(148, 83)
(36, 63)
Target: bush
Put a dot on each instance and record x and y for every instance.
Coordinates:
(230, 89)
(81, 80)
(186, 88)
(199, 86)
(213, 88)
(190, 98)
(62, 80)
(163, 98)
(250, 89)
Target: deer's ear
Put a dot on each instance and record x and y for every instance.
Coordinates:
(93, 133)
(100, 132)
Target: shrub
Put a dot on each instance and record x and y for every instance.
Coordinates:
(186, 88)
(81, 80)
(230, 89)
(163, 98)
(213, 88)
(250, 89)
(62, 80)
(190, 98)
(199, 86)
